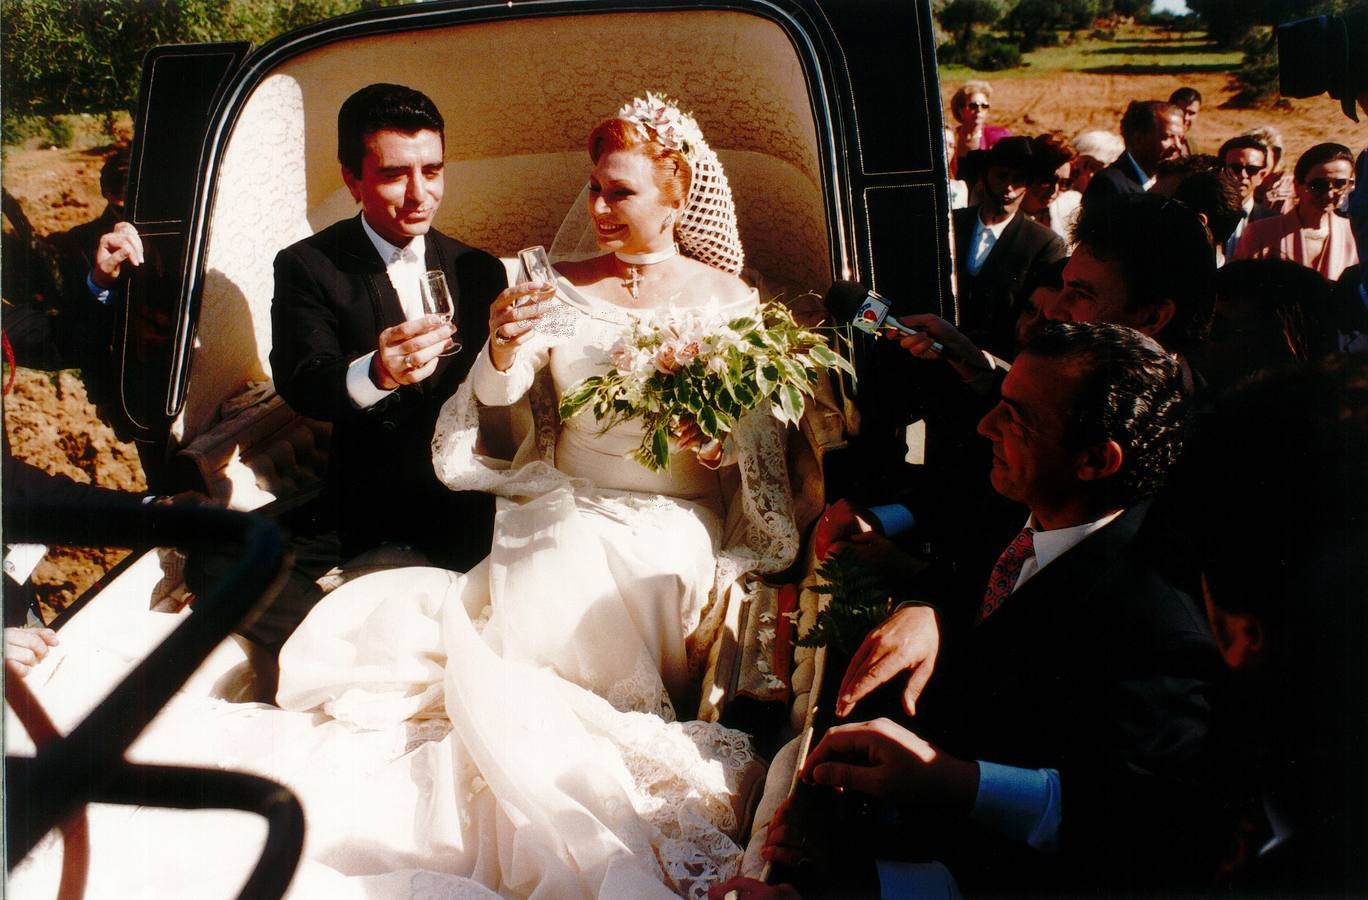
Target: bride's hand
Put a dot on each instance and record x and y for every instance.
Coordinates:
(687, 435)
(510, 319)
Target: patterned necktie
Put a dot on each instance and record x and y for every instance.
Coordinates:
(1006, 571)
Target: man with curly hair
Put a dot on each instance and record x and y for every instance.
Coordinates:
(1060, 745)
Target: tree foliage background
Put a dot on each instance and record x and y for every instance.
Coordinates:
(1248, 25)
(1027, 23)
(69, 56)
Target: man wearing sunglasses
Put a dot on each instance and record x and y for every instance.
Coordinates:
(1245, 159)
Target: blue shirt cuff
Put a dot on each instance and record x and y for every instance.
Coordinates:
(100, 295)
(908, 879)
(893, 519)
(1021, 804)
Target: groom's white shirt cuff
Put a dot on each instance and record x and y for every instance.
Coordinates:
(362, 391)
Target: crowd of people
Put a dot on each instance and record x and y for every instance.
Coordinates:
(1128, 662)
(1158, 689)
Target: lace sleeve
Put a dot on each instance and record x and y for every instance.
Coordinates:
(461, 463)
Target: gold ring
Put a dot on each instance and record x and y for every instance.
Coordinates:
(410, 361)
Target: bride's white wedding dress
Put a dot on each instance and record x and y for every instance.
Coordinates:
(514, 727)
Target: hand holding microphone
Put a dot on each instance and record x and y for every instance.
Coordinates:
(923, 335)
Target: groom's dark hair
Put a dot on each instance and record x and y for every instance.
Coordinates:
(382, 107)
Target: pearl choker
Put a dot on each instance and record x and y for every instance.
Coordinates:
(647, 259)
(632, 281)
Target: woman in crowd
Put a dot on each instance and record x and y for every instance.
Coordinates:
(969, 106)
(959, 187)
(1311, 234)
(1050, 198)
(1275, 195)
(1096, 150)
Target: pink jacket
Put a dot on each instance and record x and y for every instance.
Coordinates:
(1279, 237)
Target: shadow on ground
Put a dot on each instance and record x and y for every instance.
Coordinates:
(1176, 48)
(1155, 69)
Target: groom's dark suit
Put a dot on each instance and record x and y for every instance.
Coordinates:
(1099, 668)
(332, 300)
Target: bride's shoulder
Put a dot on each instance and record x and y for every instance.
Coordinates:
(726, 289)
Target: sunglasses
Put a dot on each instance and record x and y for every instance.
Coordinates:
(1236, 169)
(1326, 185)
(1062, 183)
(976, 106)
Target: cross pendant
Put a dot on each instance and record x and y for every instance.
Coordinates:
(634, 282)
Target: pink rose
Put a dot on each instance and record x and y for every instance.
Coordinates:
(667, 359)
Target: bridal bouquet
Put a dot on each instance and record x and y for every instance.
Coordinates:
(707, 371)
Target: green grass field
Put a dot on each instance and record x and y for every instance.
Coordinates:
(1137, 51)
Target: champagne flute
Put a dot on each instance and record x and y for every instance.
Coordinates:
(556, 319)
(437, 302)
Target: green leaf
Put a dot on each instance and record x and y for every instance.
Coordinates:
(660, 448)
(707, 421)
(766, 378)
(859, 601)
(827, 358)
(792, 402)
(578, 396)
(745, 395)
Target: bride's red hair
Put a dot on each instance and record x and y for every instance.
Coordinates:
(672, 171)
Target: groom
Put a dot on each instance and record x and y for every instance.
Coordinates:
(350, 343)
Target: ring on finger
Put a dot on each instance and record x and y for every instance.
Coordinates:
(411, 361)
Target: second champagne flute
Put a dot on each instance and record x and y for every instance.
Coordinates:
(437, 302)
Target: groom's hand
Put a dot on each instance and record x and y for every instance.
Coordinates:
(408, 352)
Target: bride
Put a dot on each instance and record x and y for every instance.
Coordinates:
(514, 728)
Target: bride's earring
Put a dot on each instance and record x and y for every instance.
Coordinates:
(668, 223)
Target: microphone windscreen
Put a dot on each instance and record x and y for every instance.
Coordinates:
(843, 298)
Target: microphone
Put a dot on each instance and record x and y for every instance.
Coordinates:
(868, 310)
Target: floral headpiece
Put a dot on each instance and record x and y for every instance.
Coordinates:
(673, 129)
(706, 228)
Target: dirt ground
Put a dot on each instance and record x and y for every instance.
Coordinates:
(52, 426)
(49, 421)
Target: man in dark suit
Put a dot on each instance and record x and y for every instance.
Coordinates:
(1153, 131)
(995, 248)
(351, 345)
(1067, 717)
